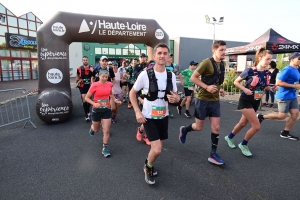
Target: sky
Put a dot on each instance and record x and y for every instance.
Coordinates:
(244, 20)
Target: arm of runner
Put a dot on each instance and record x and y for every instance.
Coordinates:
(181, 79)
(139, 116)
(237, 83)
(287, 85)
(88, 98)
(195, 79)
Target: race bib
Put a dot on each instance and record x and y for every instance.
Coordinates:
(190, 87)
(258, 94)
(158, 112)
(104, 103)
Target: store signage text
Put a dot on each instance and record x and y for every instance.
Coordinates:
(20, 41)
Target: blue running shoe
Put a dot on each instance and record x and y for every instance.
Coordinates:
(182, 135)
(105, 152)
(215, 159)
(92, 133)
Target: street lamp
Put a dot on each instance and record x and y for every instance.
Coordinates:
(214, 22)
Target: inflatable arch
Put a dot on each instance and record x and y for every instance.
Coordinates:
(54, 103)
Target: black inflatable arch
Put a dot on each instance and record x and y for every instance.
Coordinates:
(54, 103)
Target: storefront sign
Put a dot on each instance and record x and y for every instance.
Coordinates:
(20, 41)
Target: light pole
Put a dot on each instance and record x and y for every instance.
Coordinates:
(214, 22)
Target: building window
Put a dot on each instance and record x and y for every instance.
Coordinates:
(2, 42)
(12, 21)
(33, 54)
(112, 51)
(125, 51)
(104, 50)
(23, 32)
(38, 25)
(3, 30)
(22, 23)
(15, 53)
(23, 17)
(25, 53)
(31, 25)
(98, 51)
(2, 9)
(12, 30)
(31, 16)
(137, 52)
(4, 52)
(118, 51)
(32, 34)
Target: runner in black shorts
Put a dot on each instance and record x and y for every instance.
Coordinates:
(188, 87)
(207, 102)
(83, 81)
(154, 115)
(256, 82)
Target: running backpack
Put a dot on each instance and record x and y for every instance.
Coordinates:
(217, 77)
(153, 87)
(84, 73)
(267, 74)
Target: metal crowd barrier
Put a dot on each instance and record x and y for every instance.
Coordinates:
(232, 93)
(14, 107)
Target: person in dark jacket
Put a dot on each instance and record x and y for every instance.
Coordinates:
(273, 70)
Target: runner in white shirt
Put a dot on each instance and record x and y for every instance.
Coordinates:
(159, 87)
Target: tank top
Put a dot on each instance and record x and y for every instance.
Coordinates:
(116, 87)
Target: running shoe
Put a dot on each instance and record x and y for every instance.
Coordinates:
(129, 106)
(105, 152)
(146, 140)
(245, 150)
(149, 178)
(215, 159)
(170, 114)
(187, 114)
(124, 100)
(179, 110)
(91, 132)
(271, 105)
(288, 136)
(139, 135)
(260, 117)
(87, 119)
(266, 104)
(230, 142)
(155, 173)
(182, 135)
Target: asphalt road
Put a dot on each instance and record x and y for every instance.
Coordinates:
(64, 162)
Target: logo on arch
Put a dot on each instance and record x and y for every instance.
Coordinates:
(58, 29)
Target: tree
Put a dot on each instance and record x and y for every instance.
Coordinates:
(280, 63)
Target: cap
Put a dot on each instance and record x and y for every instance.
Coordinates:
(115, 64)
(294, 55)
(171, 55)
(193, 62)
(103, 58)
(143, 55)
(110, 63)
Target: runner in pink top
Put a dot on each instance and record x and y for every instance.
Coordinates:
(102, 92)
(117, 91)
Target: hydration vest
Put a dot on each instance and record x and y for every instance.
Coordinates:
(267, 74)
(84, 74)
(153, 87)
(217, 77)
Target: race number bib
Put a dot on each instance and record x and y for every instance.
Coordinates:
(258, 94)
(158, 112)
(104, 103)
(190, 87)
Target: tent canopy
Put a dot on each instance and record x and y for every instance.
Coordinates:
(272, 40)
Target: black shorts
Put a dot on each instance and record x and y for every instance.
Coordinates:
(157, 129)
(205, 109)
(248, 103)
(188, 92)
(84, 89)
(123, 84)
(129, 87)
(101, 113)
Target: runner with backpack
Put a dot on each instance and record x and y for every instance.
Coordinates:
(83, 81)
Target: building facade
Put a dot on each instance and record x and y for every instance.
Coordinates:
(18, 47)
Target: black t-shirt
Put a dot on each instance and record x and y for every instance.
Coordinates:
(139, 68)
(110, 76)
